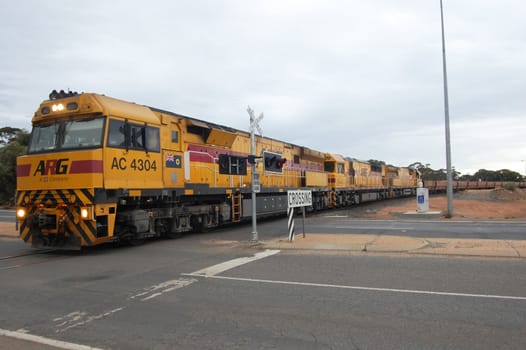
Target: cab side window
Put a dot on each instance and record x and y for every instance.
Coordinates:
(123, 134)
(116, 134)
(153, 141)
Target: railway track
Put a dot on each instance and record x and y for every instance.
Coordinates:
(32, 258)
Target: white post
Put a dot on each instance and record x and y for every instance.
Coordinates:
(254, 124)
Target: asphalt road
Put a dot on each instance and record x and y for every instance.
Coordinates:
(7, 215)
(423, 228)
(334, 222)
(196, 293)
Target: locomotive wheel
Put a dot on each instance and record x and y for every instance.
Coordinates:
(199, 223)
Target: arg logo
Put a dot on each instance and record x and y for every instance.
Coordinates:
(52, 167)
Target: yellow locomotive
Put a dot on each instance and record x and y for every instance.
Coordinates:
(99, 169)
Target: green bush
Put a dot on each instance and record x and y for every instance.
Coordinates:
(13, 143)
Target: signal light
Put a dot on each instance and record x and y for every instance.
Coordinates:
(274, 162)
(232, 165)
(270, 162)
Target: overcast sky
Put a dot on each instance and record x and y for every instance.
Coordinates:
(358, 78)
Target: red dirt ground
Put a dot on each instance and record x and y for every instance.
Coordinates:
(497, 204)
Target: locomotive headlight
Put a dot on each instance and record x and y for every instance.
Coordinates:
(84, 213)
(57, 107)
(21, 213)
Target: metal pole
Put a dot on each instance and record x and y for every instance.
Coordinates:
(254, 124)
(303, 221)
(253, 152)
(446, 111)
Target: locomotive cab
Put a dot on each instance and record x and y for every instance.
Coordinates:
(85, 151)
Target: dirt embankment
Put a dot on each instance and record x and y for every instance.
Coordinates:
(497, 204)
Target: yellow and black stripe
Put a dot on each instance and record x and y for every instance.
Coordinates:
(66, 206)
(53, 197)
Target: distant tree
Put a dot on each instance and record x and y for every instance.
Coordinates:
(466, 177)
(455, 173)
(508, 175)
(499, 175)
(376, 165)
(428, 173)
(7, 134)
(376, 162)
(14, 143)
(431, 174)
(505, 175)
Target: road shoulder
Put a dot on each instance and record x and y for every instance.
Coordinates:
(403, 244)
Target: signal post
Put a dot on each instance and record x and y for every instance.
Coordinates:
(254, 124)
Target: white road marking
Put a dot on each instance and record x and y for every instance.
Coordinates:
(164, 287)
(227, 265)
(80, 318)
(375, 228)
(392, 290)
(45, 341)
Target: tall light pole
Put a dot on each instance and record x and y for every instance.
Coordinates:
(446, 111)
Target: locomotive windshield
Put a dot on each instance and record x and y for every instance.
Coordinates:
(67, 135)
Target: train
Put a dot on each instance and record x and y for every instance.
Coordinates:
(440, 186)
(99, 169)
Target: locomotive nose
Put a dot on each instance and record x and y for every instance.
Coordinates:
(46, 221)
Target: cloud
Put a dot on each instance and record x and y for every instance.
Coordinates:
(363, 79)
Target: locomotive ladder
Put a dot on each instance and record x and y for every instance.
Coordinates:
(236, 207)
(332, 199)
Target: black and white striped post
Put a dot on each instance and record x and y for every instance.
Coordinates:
(296, 199)
(290, 214)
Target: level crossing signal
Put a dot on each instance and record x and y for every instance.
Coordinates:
(232, 165)
(274, 162)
